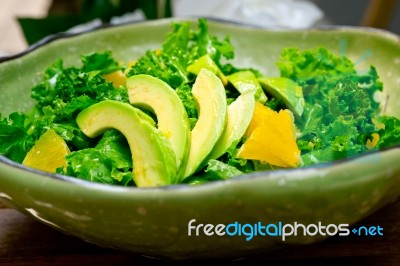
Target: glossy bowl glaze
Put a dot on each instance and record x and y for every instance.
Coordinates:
(154, 221)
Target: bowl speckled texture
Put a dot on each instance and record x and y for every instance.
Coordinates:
(154, 221)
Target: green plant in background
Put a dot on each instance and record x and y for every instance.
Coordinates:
(64, 14)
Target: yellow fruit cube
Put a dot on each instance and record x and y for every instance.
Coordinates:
(48, 153)
(271, 138)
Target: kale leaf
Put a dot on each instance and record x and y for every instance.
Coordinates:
(108, 162)
(183, 46)
(340, 103)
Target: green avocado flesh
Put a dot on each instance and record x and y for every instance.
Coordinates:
(246, 81)
(206, 62)
(152, 154)
(157, 96)
(209, 93)
(286, 90)
(240, 113)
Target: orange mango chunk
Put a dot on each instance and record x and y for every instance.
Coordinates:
(118, 78)
(271, 138)
(48, 153)
(371, 143)
(261, 112)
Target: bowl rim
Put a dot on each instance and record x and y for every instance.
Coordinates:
(63, 35)
(245, 176)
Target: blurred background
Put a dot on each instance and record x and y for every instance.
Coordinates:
(23, 22)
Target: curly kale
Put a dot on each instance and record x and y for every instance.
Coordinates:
(340, 103)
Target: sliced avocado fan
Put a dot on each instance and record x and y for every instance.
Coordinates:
(287, 90)
(209, 94)
(155, 95)
(152, 154)
(240, 113)
(206, 62)
(245, 81)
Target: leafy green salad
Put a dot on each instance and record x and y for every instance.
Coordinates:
(184, 114)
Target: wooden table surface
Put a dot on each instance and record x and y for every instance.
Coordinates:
(24, 241)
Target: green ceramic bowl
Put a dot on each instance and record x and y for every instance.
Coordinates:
(154, 221)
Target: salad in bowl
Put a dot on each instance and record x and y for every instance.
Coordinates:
(183, 113)
(136, 136)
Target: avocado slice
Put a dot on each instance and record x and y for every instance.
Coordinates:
(287, 90)
(157, 96)
(240, 113)
(245, 81)
(206, 62)
(209, 93)
(152, 155)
